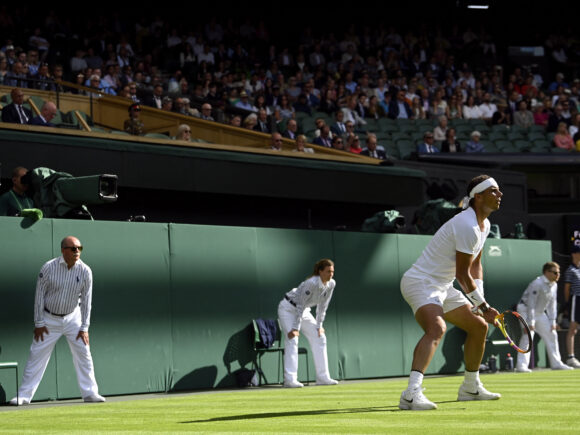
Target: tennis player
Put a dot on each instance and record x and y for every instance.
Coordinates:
(453, 252)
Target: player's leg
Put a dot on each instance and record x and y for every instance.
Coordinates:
(286, 316)
(318, 346)
(426, 301)
(82, 358)
(476, 329)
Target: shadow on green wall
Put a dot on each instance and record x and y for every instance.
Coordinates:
(239, 349)
(201, 378)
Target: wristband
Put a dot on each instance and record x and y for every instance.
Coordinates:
(476, 297)
(479, 284)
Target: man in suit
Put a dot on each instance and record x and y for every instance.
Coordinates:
(339, 127)
(262, 124)
(399, 109)
(325, 138)
(47, 112)
(427, 146)
(15, 112)
(155, 100)
(291, 129)
(371, 149)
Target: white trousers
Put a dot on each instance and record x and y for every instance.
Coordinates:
(40, 352)
(543, 327)
(286, 315)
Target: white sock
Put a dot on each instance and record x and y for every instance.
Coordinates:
(471, 378)
(415, 380)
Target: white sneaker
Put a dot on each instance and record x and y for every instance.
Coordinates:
(523, 370)
(21, 401)
(562, 367)
(467, 392)
(327, 381)
(573, 362)
(415, 400)
(293, 384)
(94, 398)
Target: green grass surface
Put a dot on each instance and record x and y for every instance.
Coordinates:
(543, 402)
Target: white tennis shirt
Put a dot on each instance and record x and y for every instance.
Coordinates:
(460, 233)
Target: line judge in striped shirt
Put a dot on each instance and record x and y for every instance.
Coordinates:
(62, 306)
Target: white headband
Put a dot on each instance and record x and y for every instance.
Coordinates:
(485, 184)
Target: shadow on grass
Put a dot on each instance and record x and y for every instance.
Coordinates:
(394, 408)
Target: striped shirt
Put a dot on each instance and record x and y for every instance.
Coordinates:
(308, 294)
(572, 276)
(61, 290)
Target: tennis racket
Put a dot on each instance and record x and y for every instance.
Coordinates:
(512, 325)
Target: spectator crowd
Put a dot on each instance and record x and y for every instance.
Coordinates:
(233, 71)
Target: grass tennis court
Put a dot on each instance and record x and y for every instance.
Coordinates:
(541, 402)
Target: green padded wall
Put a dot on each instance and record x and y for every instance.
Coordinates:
(173, 304)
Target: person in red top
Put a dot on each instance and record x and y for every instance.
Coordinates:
(353, 144)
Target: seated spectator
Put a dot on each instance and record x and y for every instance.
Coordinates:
(291, 129)
(236, 121)
(206, 112)
(399, 109)
(450, 144)
(183, 133)
(339, 127)
(541, 114)
(440, 132)
(276, 142)
(427, 147)
(325, 138)
(575, 125)
(15, 112)
(301, 105)
(300, 145)
(470, 110)
(454, 109)
(501, 115)
(375, 110)
(555, 119)
(353, 144)
(287, 111)
(244, 102)
(562, 138)
(417, 108)
(487, 108)
(47, 113)
(523, 117)
(15, 200)
(262, 124)
(474, 145)
(371, 149)
(134, 125)
(338, 143)
(250, 121)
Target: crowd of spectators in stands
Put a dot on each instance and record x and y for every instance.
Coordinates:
(234, 73)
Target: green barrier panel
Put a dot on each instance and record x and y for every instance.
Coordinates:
(172, 304)
(368, 305)
(25, 248)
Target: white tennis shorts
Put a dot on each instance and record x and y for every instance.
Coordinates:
(423, 291)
